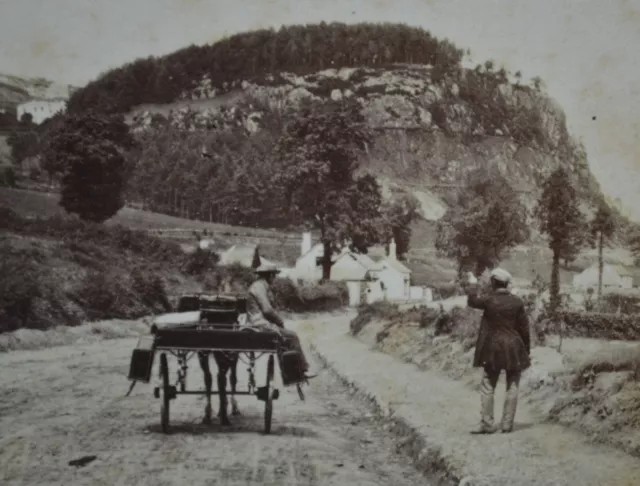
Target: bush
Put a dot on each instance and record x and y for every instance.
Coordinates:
(465, 324)
(7, 177)
(628, 304)
(608, 361)
(199, 262)
(367, 312)
(19, 287)
(322, 297)
(600, 325)
(446, 291)
(234, 278)
(150, 289)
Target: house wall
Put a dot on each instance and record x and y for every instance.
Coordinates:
(626, 282)
(306, 267)
(355, 290)
(396, 284)
(589, 278)
(421, 293)
(374, 291)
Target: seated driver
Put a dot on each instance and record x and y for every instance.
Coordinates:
(261, 314)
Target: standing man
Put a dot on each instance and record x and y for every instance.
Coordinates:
(261, 314)
(503, 344)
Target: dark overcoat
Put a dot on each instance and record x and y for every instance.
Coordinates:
(503, 340)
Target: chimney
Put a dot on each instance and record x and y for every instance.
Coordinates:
(305, 246)
(392, 249)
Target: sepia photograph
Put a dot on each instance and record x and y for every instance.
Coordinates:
(313, 243)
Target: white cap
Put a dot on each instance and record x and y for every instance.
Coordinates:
(501, 275)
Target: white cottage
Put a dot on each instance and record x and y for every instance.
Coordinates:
(369, 278)
(395, 277)
(612, 276)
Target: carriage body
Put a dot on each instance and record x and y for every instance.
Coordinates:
(205, 324)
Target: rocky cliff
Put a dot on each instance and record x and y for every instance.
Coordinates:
(429, 133)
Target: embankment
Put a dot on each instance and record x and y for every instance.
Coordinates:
(434, 414)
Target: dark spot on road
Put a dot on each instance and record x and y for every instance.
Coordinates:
(82, 461)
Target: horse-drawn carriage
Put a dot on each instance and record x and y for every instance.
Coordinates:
(205, 325)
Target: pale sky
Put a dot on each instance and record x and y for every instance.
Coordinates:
(586, 51)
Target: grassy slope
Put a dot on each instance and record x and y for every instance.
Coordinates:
(427, 267)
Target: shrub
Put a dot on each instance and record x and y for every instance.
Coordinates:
(19, 287)
(446, 291)
(600, 325)
(628, 304)
(150, 289)
(608, 361)
(465, 324)
(322, 297)
(199, 262)
(235, 278)
(7, 177)
(367, 312)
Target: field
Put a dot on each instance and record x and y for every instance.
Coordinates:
(46, 204)
(524, 262)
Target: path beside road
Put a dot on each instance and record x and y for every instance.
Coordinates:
(441, 412)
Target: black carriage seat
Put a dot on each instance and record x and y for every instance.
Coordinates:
(194, 302)
(218, 338)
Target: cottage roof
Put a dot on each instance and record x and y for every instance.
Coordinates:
(364, 270)
(242, 254)
(396, 265)
(626, 271)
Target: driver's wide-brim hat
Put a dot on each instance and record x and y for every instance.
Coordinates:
(267, 268)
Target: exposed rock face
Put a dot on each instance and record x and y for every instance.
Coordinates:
(428, 135)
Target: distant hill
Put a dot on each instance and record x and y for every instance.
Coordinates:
(14, 89)
(435, 120)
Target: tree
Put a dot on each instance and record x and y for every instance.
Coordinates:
(318, 152)
(92, 151)
(559, 216)
(570, 248)
(633, 241)
(602, 227)
(400, 215)
(24, 140)
(487, 219)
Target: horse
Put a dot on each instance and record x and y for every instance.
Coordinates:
(225, 361)
(223, 314)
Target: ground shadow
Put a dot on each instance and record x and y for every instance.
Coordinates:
(238, 427)
(522, 426)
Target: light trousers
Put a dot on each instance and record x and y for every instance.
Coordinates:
(487, 391)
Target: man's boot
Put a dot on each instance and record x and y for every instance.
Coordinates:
(486, 423)
(510, 402)
(509, 412)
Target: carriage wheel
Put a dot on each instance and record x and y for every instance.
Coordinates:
(164, 404)
(268, 403)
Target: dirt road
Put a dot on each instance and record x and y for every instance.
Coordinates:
(64, 403)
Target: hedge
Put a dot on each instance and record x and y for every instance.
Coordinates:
(602, 325)
(627, 303)
(321, 297)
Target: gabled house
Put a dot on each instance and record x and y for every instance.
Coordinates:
(369, 277)
(613, 276)
(394, 275)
